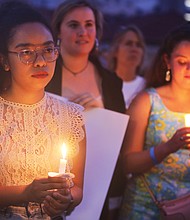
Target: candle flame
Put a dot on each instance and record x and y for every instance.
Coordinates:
(187, 120)
(64, 150)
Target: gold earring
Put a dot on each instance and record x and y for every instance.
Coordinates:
(168, 75)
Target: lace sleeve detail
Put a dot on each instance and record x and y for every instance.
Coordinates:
(76, 132)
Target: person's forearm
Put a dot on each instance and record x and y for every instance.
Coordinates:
(77, 195)
(139, 162)
(12, 195)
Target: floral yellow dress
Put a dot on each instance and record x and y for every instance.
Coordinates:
(31, 137)
(169, 179)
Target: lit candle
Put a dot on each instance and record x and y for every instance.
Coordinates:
(63, 161)
(187, 120)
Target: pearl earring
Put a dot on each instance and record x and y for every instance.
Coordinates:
(168, 75)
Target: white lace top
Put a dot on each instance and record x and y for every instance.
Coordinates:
(31, 137)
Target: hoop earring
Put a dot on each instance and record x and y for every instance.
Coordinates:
(168, 75)
(96, 44)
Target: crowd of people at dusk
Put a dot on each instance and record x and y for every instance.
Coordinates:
(51, 74)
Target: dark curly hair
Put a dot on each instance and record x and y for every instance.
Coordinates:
(12, 14)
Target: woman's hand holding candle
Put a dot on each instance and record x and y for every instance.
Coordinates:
(57, 203)
(62, 198)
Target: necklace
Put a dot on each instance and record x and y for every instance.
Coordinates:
(76, 73)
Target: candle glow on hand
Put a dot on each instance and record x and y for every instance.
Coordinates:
(187, 120)
(63, 161)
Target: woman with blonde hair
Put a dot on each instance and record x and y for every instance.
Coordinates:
(126, 59)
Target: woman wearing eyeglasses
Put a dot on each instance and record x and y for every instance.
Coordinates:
(34, 124)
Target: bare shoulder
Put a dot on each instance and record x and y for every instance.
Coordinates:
(139, 112)
(140, 102)
(142, 97)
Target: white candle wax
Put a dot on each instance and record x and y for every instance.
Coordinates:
(53, 174)
(187, 120)
(62, 165)
(63, 161)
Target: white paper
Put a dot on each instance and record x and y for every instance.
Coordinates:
(105, 130)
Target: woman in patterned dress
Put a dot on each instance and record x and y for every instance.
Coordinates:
(34, 124)
(157, 141)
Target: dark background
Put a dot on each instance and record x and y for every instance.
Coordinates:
(154, 17)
